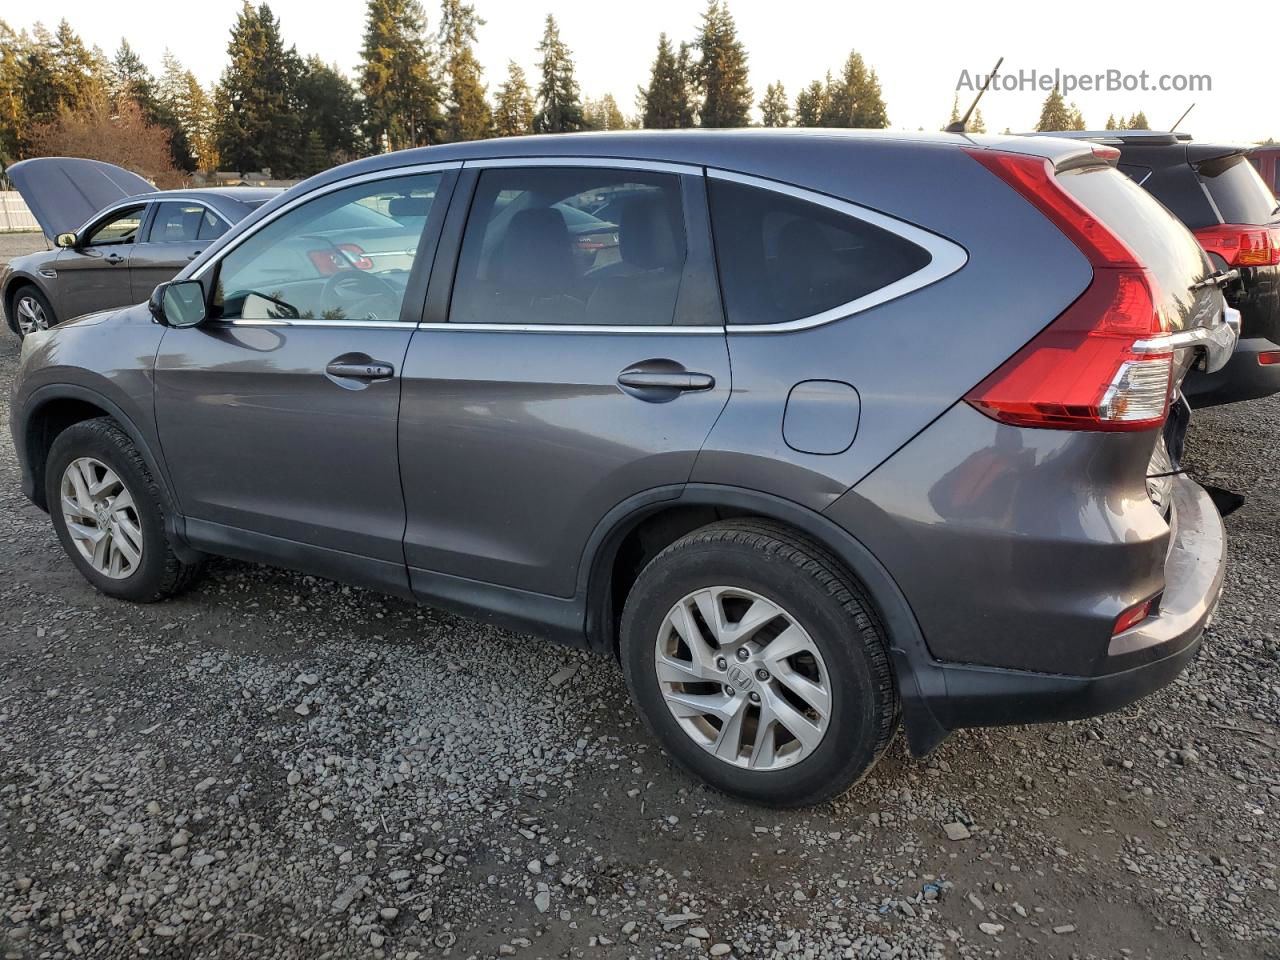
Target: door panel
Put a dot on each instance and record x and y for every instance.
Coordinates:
(514, 445)
(259, 437)
(585, 362)
(95, 276)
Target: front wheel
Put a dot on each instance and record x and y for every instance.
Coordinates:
(757, 661)
(31, 311)
(109, 514)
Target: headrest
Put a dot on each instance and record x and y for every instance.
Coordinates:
(646, 237)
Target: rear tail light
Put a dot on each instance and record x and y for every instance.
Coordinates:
(1133, 616)
(1092, 368)
(1269, 358)
(1242, 245)
(344, 256)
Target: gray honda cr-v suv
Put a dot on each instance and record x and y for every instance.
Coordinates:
(814, 431)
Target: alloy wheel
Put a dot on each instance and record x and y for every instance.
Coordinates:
(743, 678)
(101, 517)
(31, 315)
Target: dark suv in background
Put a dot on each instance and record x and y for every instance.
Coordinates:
(1217, 192)
(840, 429)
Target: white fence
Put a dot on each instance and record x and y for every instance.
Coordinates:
(14, 215)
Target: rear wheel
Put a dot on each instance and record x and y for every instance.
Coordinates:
(754, 657)
(31, 311)
(109, 515)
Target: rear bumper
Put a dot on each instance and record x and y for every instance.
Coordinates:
(951, 696)
(1243, 378)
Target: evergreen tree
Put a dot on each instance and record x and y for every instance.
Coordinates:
(327, 108)
(12, 110)
(1138, 122)
(1054, 114)
(721, 71)
(258, 125)
(80, 73)
(129, 78)
(665, 103)
(467, 115)
(169, 109)
(976, 123)
(603, 114)
(559, 108)
(513, 111)
(1077, 118)
(775, 110)
(955, 112)
(200, 123)
(854, 100)
(811, 104)
(397, 77)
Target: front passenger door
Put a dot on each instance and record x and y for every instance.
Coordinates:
(94, 275)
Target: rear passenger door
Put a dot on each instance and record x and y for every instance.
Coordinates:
(177, 233)
(568, 363)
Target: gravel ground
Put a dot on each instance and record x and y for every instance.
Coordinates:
(278, 766)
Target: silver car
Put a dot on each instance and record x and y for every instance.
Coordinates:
(114, 237)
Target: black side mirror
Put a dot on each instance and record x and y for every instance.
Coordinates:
(179, 303)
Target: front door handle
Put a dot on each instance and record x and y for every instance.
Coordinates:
(665, 380)
(113, 258)
(357, 370)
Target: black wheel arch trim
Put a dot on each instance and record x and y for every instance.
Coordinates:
(43, 395)
(920, 678)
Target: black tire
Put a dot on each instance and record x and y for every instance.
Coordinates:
(160, 573)
(803, 577)
(36, 294)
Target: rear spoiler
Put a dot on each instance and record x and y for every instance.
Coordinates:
(1063, 153)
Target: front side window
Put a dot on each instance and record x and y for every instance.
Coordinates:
(782, 258)
(549, 245)
(177, 222)
(121, 227)
(345, 255)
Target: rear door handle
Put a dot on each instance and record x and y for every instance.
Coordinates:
(666, 380)
(194, 255)
(370, 370)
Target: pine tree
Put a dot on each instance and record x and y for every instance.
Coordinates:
(13, 50)
(559, 107)
(665, 103)
(397, 77)
(976, 123)
(328, 108)
(603, 114)
(955, 112)
(1139, 122)
(129, 78)
(775, 110)
(1054, 114)
(168, 109)
(854, 100)
(1111, 122)
(1077, 118)
(721, 71)
(81, 74)
(467, 114)
(201, 124)
(513, 111)
(258, 125)
(811, 104)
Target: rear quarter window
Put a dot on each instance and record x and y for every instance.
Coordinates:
(1237, 190)
(782, 258)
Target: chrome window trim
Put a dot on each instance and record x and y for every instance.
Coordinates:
(303, 322)
(606, 163)
(101, 216)
(717, 329)
(946, 256)
(392, 173)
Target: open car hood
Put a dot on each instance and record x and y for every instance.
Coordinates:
(64, 192)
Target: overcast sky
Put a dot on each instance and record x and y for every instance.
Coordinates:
(919, 49)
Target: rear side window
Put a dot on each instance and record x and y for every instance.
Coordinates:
(177, 222)
(782, 258)
(1238, 192)
(537, 249)
(1159, 239)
